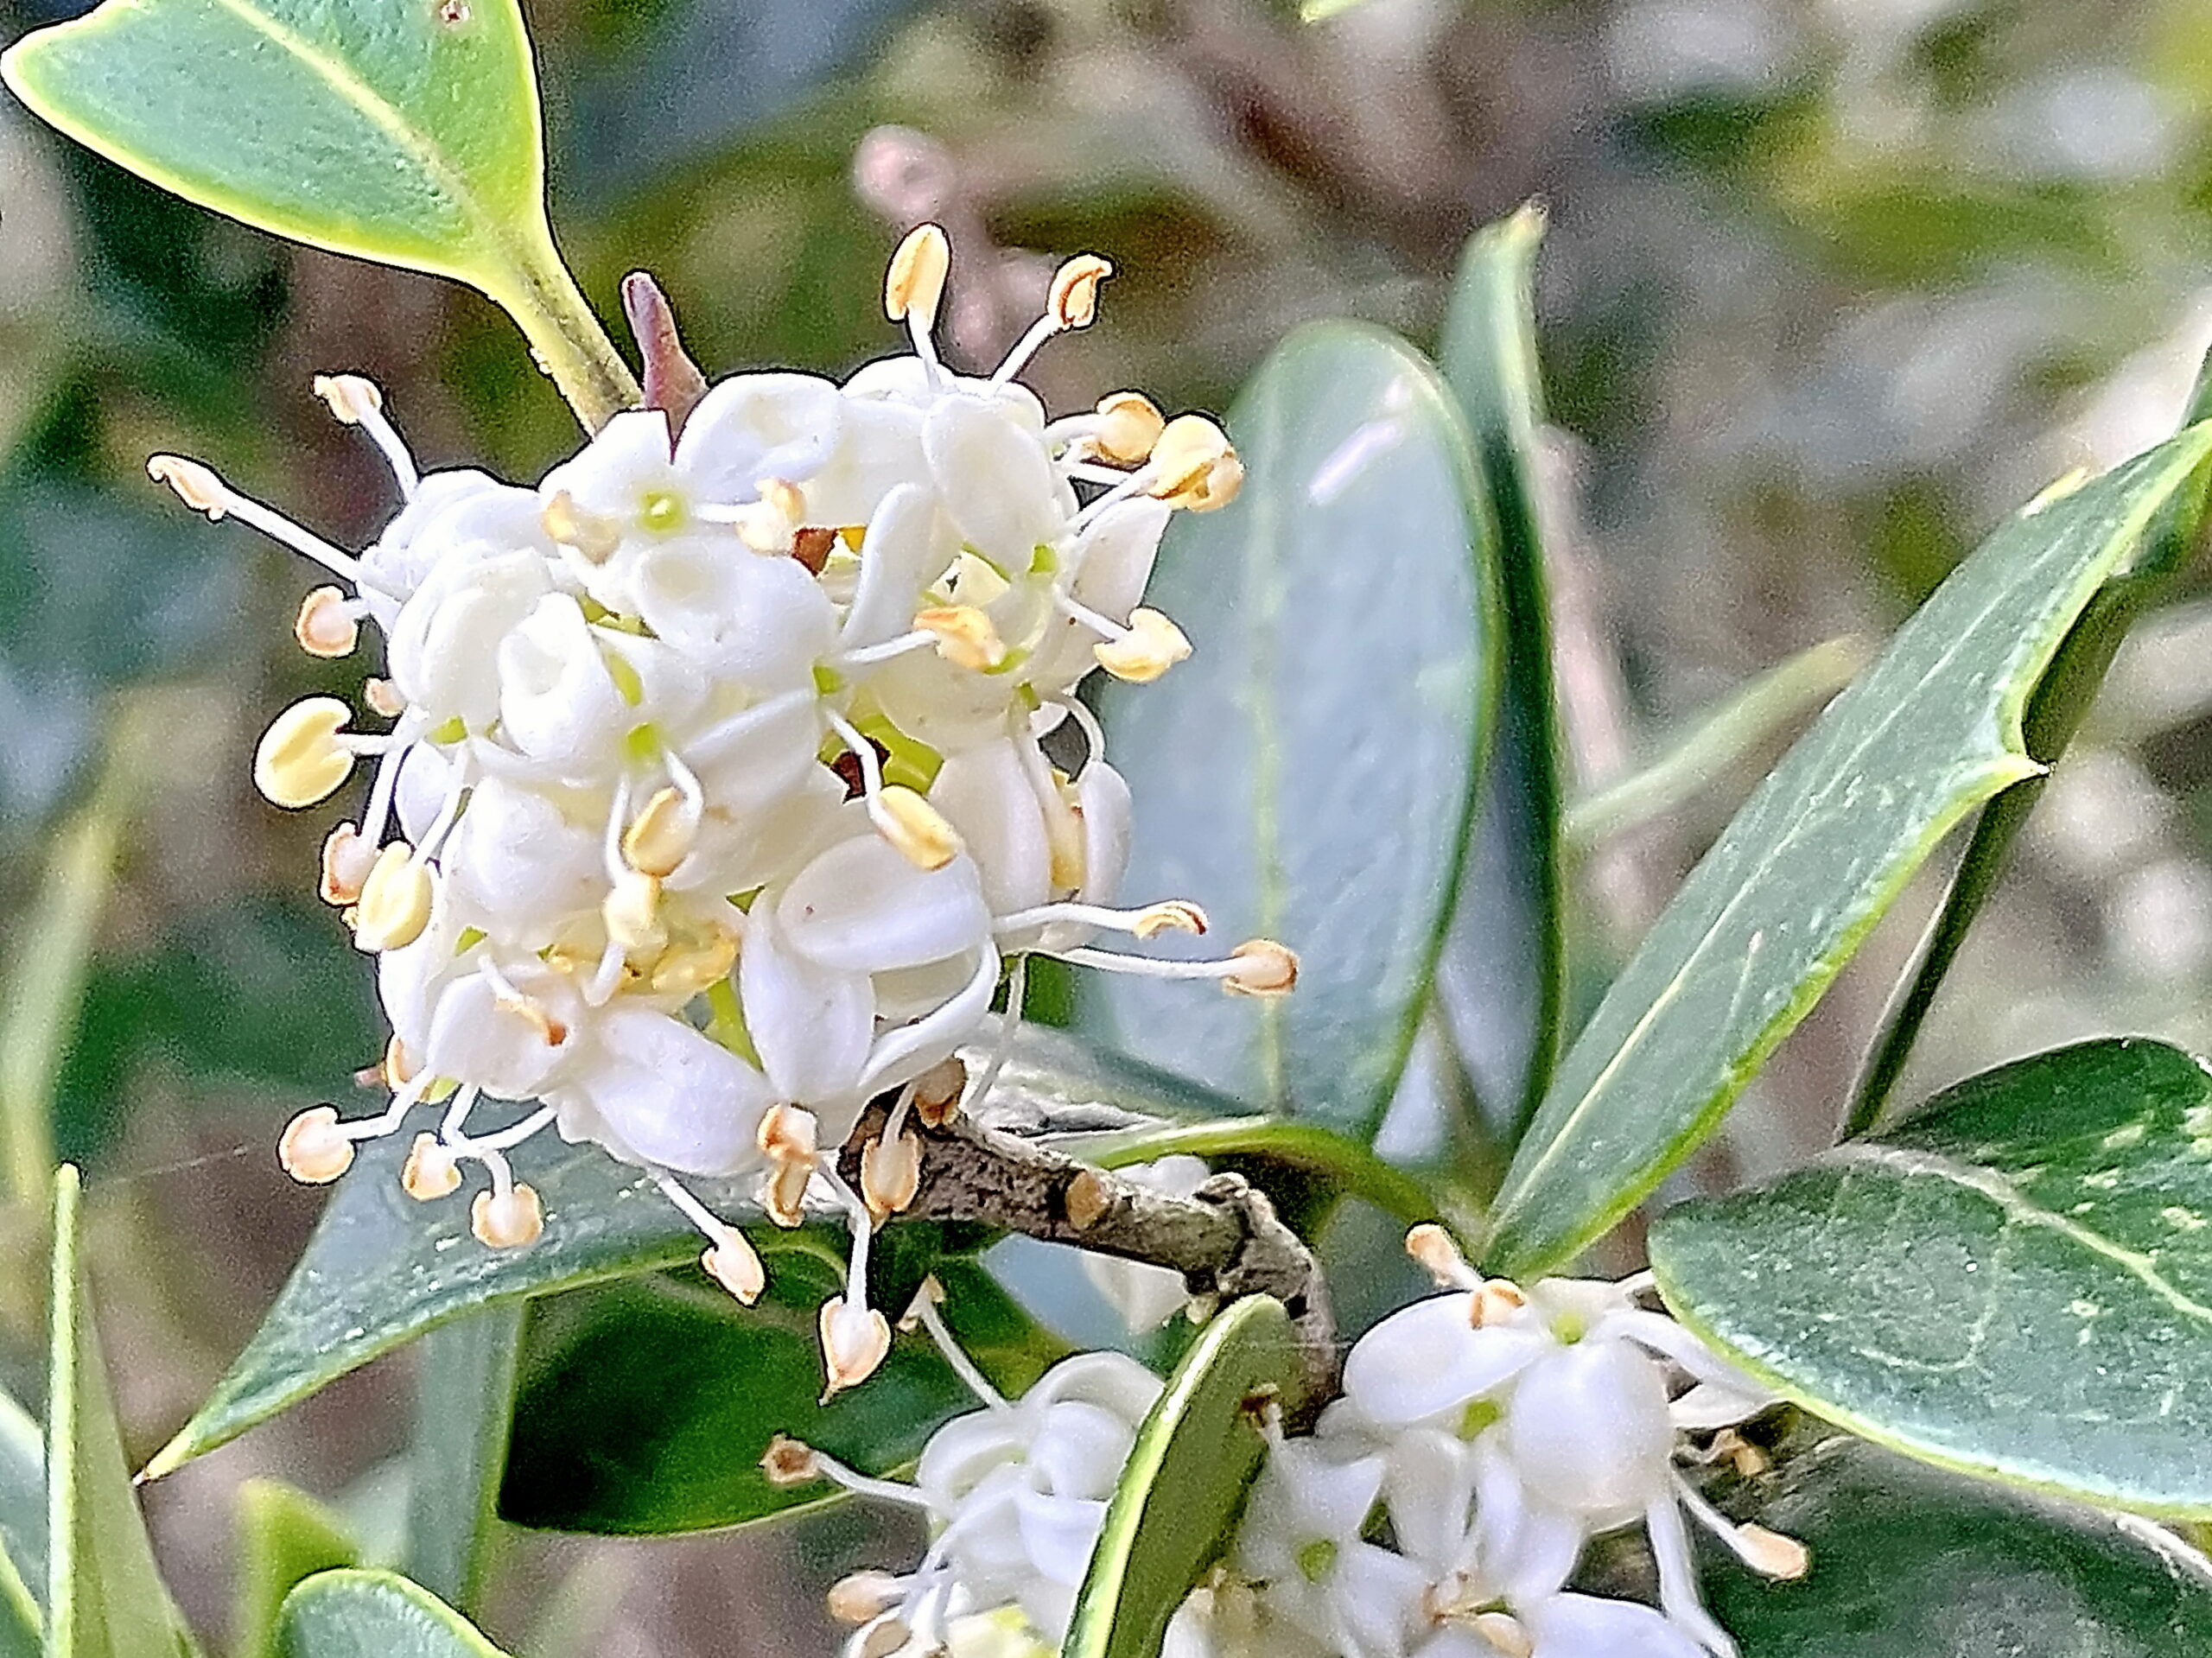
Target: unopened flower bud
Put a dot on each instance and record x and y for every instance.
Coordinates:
(788, 1462)
(632, 911)
(1437, 1254)
(314, 1149)
(855, 1340)
(299, 760)
(396, 900)
(1272, 969)
(661, 835)
(1129, 424)
(734, 1263)
(196, 485)
(1197, 468)
(854, 1600)
(594, 536)
(1074, 302)
(351, 398)
(507, 1221)
(325, 626)
(915, 285)
(890, 1173)
(965, 637)
(346, 861)
(1149, 649)
(917, 829)
(430, 1171)
(937, 1091)
(1170, 915)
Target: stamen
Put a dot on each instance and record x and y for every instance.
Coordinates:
(396, 900)
(348, 858)
(1151, 645)
(865, 1596)
(661, 835)
(1129, 425)
(855, 1340)
(891, 1165)
(917, 829)
(868, 655)
(729, 1258)
(200, 489)
(314, 1149)
(965, 637)
(913, 288)
(1769, 1554)
(1174, 915)
(509, 1216)
(358, 402)
(1259, 968)
(592, 537)
(328, 623)
(1433, 1250)
(788, 1462)
(430, 1171)
(955, 1357)
(1196, 469)
(299, 760)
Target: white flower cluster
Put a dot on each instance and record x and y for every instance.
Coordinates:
(1437, 1511)
(713, 802)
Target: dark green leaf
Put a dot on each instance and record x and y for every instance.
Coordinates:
(373, 1614)
(464, 1400)
(1501, 978)
(2017, 1281)
(1196, 1456)
(284, 1536)
(104, 1596)
(646, 1406)
(1930, 731)
(1343, 611)
(405, 134)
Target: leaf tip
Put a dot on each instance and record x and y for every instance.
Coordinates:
(170, 1458)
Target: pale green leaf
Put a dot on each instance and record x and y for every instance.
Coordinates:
(23, 1530)
(373, 1614)
(1196, 1456)
(464, 1402)
(1769, 918)
(1306, 775)
(2017, 1281)
(284, 1536)
(407, 134)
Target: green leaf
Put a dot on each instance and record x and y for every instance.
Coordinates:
(1909, 1562)
(1344, 614)
(1502, 979)
(2017, 1281)
(2061, 701)
(373, 1614)
(284, 1536)
(646, 1406)
(464, 1402)
(408, 135)
(104, 1595)
(1196, 1456)
(1769, 918)
(23, 1530)
(381, 1268)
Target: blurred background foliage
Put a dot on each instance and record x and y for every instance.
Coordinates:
(1831, 284)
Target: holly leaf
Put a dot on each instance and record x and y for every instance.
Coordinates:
(373, 1614)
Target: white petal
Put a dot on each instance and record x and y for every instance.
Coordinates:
(755, 758)
(1588, 1428)
(518, 865)
(557, 702)
(1081, 1450)
(1584, 1626)
(811, 1024)
(477, 1037)
(862, 907)
(1426, 1362)
(761, 621)
(908, 545)
(752, 427)
(1058, 1533)
(609, 476)
(1146, 1297)
(995, 478)
(1430, 1492)
(985, 793)
(904, 1053)
(669, 1097)
(439, 652)
(878, 449)
(1113, 1381)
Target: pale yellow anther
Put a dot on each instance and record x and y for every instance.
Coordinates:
(396, 900)
(766, 528)
(788, 1462)
(733, 1262)
(785, 496)
(789, 1133)
(783, 1194)
(690, 965)
(346, 861)
(937, 1091)
(299, 760)
(430, 1171)
(1129, 424)
(1074, 302)
(383, 697)
(314, 1149)
(917, 829)
(864, 1595)
(351, 398)
(1068, 857)
(1772, 1554)
(890, 1173)
(855, 1340)
(594, 536)
(632, 911)
(661, 835)
(886, 1640)
(398, 1069)
(1170, 915)
(915, 285)
(1437, 1254)
(1269, 970)
(507, 1221)
(1149, 649)
(325, 626)
(196, 485)
(1504, 1633)
(1496, 1300)
(1197, 468)
(966, 637)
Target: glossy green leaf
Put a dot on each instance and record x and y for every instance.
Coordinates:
(646, 1406)
(381, 1268)
(1343, 613)
(1196, 1456)
(464, 1402)
(1769, 918)
(2017, 1281)
(104, 1596)
(23, 1530)
(373, 1614)
(1911, 1562)
(2061, 702)
(284, 1536)
(406, 134)
(1501, 978)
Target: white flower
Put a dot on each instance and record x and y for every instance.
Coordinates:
(653, 1091)
(1302, 1542)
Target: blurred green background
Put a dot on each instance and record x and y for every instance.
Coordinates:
(1830, 285)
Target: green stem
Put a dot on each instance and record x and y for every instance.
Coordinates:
(565, 338)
